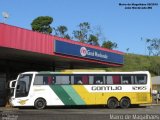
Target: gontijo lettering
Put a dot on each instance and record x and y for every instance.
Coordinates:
(98, 88)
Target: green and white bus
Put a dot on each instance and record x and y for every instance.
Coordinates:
(41, 89)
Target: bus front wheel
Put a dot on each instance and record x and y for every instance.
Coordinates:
(40, 103)
(112, 103)
(125, 103)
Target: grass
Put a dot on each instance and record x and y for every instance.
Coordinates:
(133, 62)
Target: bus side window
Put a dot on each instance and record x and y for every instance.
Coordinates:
(85, 79)
(98, 80)
(45, 80)
(38, 80)
(91, 80)
(51, 80)
(109, 80)
(116, 79)
(140, 79)
(78, 80)
(48, 79)
(72, 80)
(113, 79)
(62, 79)
(127, 79)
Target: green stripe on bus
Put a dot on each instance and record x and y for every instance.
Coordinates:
(73, 94)
(61, 93)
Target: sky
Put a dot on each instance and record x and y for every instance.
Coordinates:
(127, 27)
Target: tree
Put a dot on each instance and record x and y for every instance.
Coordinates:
(109, 45)
(83, 33)
(67, 36)
(153, 46)
(42, 24)
(127, 50)
(93, 40)
(98, 32)
(61, 32)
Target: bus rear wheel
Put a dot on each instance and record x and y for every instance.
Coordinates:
(125, 103)
(112, 103)
(40, 103)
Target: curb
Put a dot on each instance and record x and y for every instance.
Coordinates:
(154, 104)
(7, 109)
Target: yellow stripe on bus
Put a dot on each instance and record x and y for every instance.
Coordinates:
(85, 95)
(92, 98)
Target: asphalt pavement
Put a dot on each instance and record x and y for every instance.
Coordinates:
(82, 113)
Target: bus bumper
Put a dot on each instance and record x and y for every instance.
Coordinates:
(11, 101)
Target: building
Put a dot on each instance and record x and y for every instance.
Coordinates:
(25, 50)
(156, 83)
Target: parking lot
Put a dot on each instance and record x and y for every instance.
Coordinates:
(82, 113)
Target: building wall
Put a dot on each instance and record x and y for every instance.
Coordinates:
(31, 41)
(156, 87)
(156, 83)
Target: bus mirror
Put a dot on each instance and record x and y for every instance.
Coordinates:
(12, 84)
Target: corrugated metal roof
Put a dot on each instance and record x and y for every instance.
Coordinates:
(35, 42)
(22, 39)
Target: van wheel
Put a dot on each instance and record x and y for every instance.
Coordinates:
(40, 103)
(112, 103)
(125, 103)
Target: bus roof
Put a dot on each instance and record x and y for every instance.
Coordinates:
(89, 72)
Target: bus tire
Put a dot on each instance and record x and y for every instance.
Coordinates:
(112, 103)
(40, 103)
(125, 103)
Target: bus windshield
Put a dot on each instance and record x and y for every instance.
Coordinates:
(23, 85)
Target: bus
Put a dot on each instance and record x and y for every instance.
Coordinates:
(113, 89)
